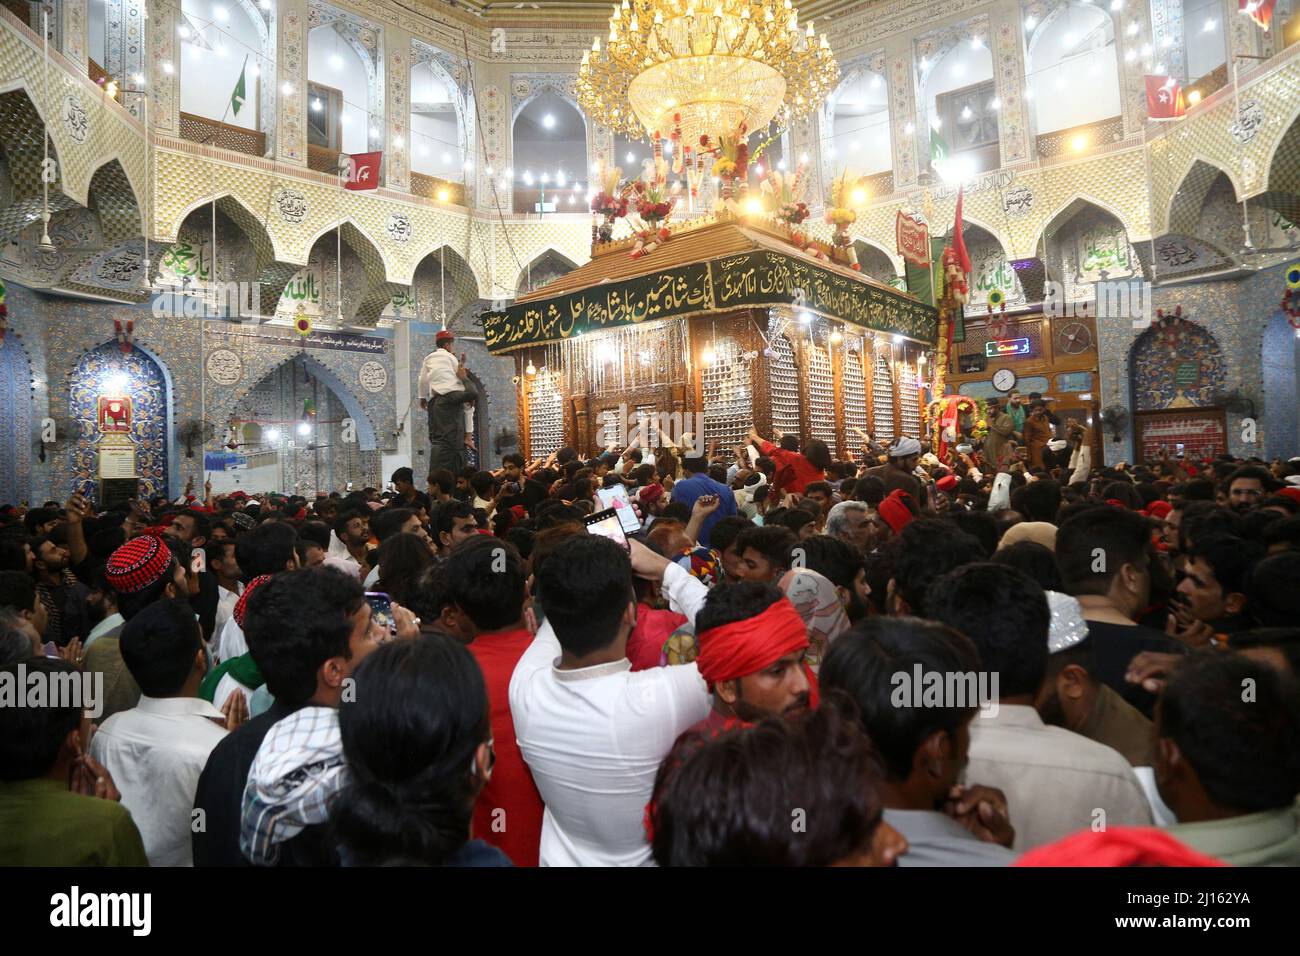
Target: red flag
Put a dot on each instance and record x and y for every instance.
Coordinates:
(1261, 11)
(958, 242)
(362, 171)
(1164, 98)
(913, 240)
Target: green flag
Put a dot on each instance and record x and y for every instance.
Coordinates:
(238, 96)
(938, 148)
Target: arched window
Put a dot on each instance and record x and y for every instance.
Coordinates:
(437, 141)
(1206, 37)
(550, 150)
(960, 104)
(339, 114)
(860, 136)
(1072, 69)
(220, 42)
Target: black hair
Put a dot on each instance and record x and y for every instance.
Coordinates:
(266, 549)
(1123, 537)
(315, 532)
(483, 483)
(1285, 502)
(13, 553)
(129, 605)
(387, 522)
(202, 523)
(1241, 746)
(727, 801)
(40, 516)
(486, 579)
(1272, 597)
(794, 519)
(409, 739)
(678, 510)
(215, 551)
(1251, 472)
(718, 473)
(400, 560)
(1285, 532)
(17, 590)
(427, 595)
(871, 489)
(820, 486)
(31, 737)
(403, 474)
(979, 525)
(694, 464)
(790, 442)
(728, 603)
(862, 663)
(446, 517)
(297, 621)
(928, 548)
(1284, 639)
(818, 455)
(1035, 560)
(1203, 519)
(836, 560)
(1040, 500)
(727, 530)
(159, 645)
(1231, 560)
(443, 480)
(774, 543)
(1005, 612)
(585, 587)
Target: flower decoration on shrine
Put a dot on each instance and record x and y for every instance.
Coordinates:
(953, 416)
(848, 194)
(608, 204)
(654, 204)
(730, 152)
(1172, 329)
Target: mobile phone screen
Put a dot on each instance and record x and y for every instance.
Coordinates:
(617, 499)
(381, 610)
(606, 524)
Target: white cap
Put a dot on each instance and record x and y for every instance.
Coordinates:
(1057, 444)
(1068, 627)
(905, 446)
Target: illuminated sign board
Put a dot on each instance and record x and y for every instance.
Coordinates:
(1004, 347)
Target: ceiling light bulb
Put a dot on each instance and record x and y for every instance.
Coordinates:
(548, 121)
(221, 13)
(336, 62)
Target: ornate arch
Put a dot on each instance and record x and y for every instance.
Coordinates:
(1193, 186)
(1153, 380)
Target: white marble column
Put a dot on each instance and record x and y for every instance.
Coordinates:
(1015, 131)
(901, 76)
(163, 76)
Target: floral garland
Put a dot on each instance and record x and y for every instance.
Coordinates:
(846, 195)
(654, 204)
(1292, 292)
(609, 203)
(731, 163)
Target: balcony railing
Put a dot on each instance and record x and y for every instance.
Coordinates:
(210, 132)
(439, 190)
(1211, 82)
(1101, 133)
(322, 159)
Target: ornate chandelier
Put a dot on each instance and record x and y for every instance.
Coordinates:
(713, 63)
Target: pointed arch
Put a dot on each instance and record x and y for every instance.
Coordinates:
(22, 131)
(114, 201)
(1188, 197)
(432, 267)
(1067, 211)
(548, 264)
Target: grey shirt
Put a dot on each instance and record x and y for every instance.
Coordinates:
(935, 839)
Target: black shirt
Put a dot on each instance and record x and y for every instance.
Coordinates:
(1114, 646)
(220, 795)
(531, 494)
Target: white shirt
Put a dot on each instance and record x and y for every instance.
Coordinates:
(155, 752)
(230, 642)
(226, 601)
(438, 374)
(1081, 463)
(340, 558)
(1054, 780)
(594, 739)
(372, 578)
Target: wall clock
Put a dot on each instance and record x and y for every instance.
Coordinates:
(1004, 380)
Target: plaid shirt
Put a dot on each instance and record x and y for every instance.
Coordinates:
(297, 772)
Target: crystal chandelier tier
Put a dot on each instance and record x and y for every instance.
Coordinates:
(704, 66)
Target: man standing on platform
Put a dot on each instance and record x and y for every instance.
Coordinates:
(445, 392)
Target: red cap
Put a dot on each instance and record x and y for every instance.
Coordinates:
(241, 606)
(444, 336)
(137, 564)
(1292, 493)
(946, 483)
(1159, 509)
(650, 494)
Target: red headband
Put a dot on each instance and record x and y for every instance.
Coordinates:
(241, 606)
(746, 647)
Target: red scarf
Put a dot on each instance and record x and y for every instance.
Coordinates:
(746, 647)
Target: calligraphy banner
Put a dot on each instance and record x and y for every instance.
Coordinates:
(334, 341)
(749, 280)
(913, 240)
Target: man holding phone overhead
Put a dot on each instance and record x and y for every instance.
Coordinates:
(696, 483)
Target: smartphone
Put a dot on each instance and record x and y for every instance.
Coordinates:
(1180, 449)
(617, 499)
(606, 524)
(381, 610)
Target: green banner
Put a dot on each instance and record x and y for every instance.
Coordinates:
(749, 280)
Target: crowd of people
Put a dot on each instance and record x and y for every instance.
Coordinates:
(1011, 656)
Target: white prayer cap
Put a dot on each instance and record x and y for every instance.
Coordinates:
(1068, 626)
(1293, 481)
(904, 447)
(1057, 445)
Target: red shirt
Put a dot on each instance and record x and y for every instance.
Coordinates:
(516, 832)
(794, 472)
(645, 645)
